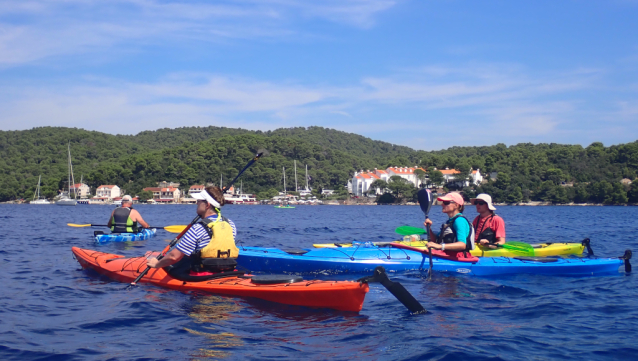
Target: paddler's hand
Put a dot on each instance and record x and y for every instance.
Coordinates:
(486, 243)
(434, 245)
(428, 222)
(152, 262)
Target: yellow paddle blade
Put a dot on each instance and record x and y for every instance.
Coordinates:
(174, 229)
(78, 225)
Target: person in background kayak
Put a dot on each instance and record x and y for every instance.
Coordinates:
(490, 228)
(196, 244)
(125, 219)
(457, 234)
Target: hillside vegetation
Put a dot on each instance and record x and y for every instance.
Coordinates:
(195, 155)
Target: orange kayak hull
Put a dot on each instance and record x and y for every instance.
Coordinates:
(338, 295)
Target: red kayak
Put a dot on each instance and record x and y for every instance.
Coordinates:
(290, 290)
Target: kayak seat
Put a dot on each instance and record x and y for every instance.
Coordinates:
(275, 279)
(537, 245)
(220, 264)
(537, 259)
(182, 271)
(295, 251)
(97, 233)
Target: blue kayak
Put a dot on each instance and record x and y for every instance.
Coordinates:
(146, 233)
(365, 259)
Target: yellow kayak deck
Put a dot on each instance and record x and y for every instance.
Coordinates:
(540, 249)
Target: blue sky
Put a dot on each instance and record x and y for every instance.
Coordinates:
(426, 74)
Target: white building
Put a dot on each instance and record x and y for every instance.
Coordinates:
(81, 189)
(361, 181)
(165, 195)
(108, 191)
(450, 175)
(197, 188)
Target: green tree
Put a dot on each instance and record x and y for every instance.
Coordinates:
(436, 178)
(145, 195)
(632, 195)
(421, 176)
(379, 185)
(401, 187)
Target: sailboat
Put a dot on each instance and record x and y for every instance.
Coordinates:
(284, 205)
(36, 195)
(65, 199)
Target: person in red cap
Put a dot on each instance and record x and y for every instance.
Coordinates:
(457, 234)
(490, 228)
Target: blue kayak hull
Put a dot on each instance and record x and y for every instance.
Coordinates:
(364, 260)
(126, 237)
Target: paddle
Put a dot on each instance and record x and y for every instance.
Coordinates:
(174, 241)
(425, 199)
(171, 229)
(396, 289)
(512, 246)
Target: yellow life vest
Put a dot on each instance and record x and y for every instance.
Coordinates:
(222, 241)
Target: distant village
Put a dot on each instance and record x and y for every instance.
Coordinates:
(361, 184)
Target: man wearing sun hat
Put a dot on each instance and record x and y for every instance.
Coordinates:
(490, 228)
(124, 219)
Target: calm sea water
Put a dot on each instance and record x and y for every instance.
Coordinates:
(52, 310)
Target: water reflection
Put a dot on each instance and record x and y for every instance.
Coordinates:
(213, 309)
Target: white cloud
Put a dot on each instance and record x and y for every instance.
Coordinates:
(480, 100)
(71, 27)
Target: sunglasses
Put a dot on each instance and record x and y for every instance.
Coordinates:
(446, 203)
(480, 203)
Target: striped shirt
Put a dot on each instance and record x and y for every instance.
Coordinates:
(197, 238)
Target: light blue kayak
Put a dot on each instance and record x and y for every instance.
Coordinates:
(365, 259)
(125, 237)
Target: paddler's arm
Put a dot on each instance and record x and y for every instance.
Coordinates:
(456, 246)
(171, 258)
(110, 219)
(137, 217)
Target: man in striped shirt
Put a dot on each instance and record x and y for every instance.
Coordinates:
(209, 201)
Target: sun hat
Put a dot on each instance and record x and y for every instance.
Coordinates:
(204, 196)
(127, 198)
(452, 197)
(484, 197)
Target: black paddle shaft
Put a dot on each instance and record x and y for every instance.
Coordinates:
(252, 161)
(170, 245)
(424, 197)
(396, 289)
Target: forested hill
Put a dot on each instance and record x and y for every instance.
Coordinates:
(195, 155)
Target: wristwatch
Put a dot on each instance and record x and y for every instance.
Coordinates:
(443, 247)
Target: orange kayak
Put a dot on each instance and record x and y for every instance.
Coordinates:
(338, 295)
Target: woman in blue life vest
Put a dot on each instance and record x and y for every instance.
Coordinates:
(212, 238)
(457, 233)
(125, 219)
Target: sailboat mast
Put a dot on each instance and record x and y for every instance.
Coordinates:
(307, 178)
(284, 169)
(37, 189)
(296, 188)
(75, 192)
